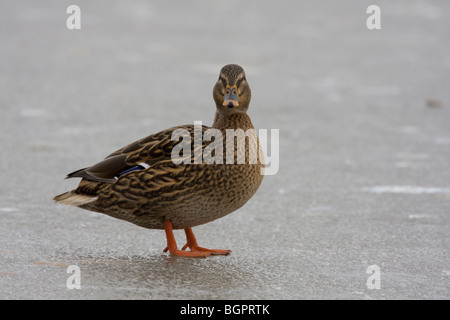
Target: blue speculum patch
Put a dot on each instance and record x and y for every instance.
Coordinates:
(138, 167)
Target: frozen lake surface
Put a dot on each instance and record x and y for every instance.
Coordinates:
(364, 176)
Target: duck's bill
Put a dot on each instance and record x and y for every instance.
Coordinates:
(231, 98)
(230, 103)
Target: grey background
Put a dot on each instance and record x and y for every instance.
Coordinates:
(364, 120)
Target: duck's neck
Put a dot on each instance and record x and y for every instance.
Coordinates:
(232, 121)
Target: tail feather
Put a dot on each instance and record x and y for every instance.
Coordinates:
(74, 199)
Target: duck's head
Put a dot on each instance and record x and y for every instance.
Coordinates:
(232, 92)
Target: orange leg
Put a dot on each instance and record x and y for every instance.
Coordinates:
(192, 244)
(196, 251)
(172, 244)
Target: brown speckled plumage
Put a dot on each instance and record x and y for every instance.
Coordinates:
(187, 195)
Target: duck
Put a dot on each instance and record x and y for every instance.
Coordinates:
(145, 184)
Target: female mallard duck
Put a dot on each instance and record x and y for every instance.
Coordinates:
(142, 184)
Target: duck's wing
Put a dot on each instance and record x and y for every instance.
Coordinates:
(138, 155)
